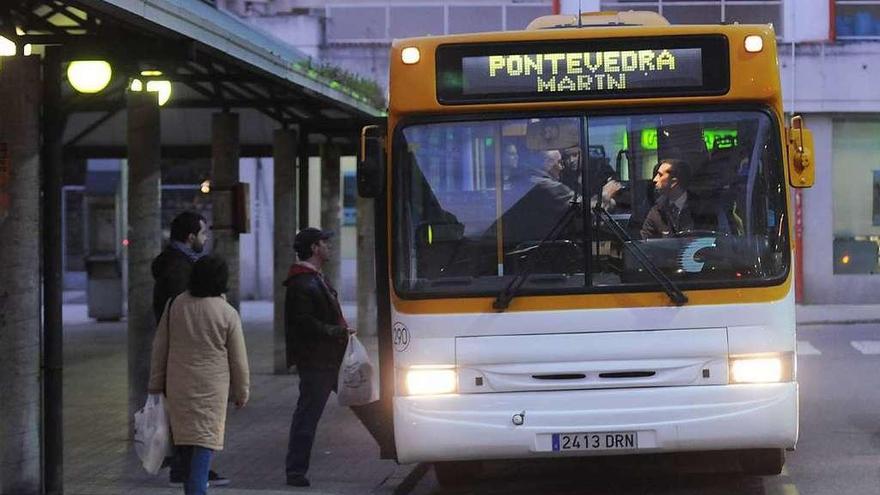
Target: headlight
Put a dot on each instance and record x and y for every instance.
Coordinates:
(430, 380)
(761, 369)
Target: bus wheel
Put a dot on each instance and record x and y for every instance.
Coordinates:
(762, 462)
(457, 473)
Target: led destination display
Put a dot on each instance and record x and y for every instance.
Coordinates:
(584, 69)
(575, 72)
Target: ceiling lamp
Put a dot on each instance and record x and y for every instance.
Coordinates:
(89, 76)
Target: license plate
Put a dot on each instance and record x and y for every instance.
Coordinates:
(612, 440)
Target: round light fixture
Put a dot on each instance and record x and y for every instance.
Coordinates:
(89, 76)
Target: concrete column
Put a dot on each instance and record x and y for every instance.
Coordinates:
(284, 194)
(330, 210)
(303, 169)
(145, 238)
(53, 271)
(366, 267)
(225, 153)
(20, 411)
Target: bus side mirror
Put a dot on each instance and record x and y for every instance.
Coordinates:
(371, 162)
(801, 164)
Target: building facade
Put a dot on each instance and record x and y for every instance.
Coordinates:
(829, 60)
(829, 52)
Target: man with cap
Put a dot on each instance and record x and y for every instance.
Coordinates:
(317, 334)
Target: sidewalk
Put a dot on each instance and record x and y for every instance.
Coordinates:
(839, 314)
(97, 455)
(98, 459)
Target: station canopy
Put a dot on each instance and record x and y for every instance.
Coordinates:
(213, 60)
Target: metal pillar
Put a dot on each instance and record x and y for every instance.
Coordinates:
(330, 211)
(284, 197)
(20, 414)
(145, 238)
(366, 267)
(53, 272)
(303, 167)
(225, 152)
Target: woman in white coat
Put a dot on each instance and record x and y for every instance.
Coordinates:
(199, 362)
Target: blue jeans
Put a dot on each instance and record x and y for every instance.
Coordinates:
(315, 386)
(198, 462)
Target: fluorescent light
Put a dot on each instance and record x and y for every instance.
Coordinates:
(430, 380)
(7, 47)
(163, 88)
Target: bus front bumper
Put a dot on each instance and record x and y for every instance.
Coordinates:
(664, 419)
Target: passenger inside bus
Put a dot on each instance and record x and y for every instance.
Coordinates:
(603, 180)
(535, 213)
(515, 174)
(571, 167)
(679, 210)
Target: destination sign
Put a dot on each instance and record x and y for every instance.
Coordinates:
(578, 72)
(570, 70)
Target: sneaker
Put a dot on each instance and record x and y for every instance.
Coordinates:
(215, 479)
(298, 480)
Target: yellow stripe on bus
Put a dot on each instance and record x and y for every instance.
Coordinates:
(458, 305)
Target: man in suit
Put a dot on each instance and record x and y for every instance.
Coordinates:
(674, 213)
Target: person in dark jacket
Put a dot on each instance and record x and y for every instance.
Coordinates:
(316, 334)
(171, 273)
(677, 210)
(172, 268)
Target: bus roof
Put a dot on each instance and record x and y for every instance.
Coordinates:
(595, 19)
(589, 32)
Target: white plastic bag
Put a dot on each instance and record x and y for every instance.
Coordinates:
(355, 386)
(152, 433)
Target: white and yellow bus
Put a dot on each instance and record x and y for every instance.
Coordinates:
(526, 309)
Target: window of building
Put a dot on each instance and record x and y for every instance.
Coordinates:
(855, 20)
(379, 22)
(708, 11)
(856, 158)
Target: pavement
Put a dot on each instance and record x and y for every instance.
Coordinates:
(839, 314)
(98, 458)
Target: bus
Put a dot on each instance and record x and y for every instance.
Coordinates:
(585, 244)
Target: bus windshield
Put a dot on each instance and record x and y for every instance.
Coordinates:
(701, 194)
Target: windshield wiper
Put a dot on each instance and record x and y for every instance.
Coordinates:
(675, 294)
(502, 301)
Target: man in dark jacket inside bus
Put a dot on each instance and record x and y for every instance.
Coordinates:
(316, 335)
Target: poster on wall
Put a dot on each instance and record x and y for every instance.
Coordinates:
(876, 199)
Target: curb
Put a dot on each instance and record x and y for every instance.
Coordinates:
(839, 322)
(412, 479)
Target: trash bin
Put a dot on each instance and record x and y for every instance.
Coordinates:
(104, 287)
